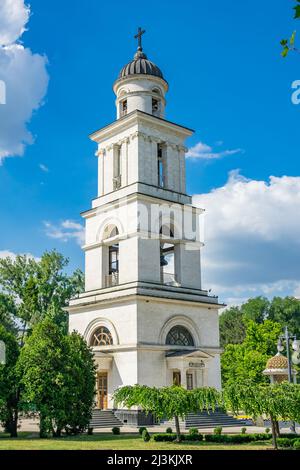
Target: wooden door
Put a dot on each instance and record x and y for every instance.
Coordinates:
(102, 390)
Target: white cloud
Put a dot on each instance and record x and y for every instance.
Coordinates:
(65, 231)
(206, 152)
(252, 236)
(25, 76)
(14, 15)
(44, 168)
(10, 254)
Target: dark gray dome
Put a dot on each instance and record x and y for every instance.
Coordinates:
(140, 65)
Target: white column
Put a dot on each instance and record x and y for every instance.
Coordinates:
(124, 162)
(154, 163)
(183, 371)
(108, 169)
(101, 156)
(133, 158)
(182, 184)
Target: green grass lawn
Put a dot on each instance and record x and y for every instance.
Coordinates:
(31, 441)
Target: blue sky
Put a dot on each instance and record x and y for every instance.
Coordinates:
(227, 81)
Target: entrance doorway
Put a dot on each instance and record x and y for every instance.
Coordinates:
(176, 378)
(102, 390)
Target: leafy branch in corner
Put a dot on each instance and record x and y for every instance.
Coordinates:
(289, 44)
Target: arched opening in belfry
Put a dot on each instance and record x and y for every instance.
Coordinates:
(167, 255)
(111, 260)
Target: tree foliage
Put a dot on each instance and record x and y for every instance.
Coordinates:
(9, 387)
(57, 377)
(233, 321)
(246, 361)
(289, 44)
(276, 401)
(39, 288)
(8, 312)
(168, 402)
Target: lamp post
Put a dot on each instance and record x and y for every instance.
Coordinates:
(287, 337)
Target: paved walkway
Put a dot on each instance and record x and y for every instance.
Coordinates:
(32, 425)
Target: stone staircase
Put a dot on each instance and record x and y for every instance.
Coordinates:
(206, 420)
(104, 419)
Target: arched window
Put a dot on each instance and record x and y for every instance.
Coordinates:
(156, 90)
(101, 337)
(179, 336)
(110, 231)
(167, 230)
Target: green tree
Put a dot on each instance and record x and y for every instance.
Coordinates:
(278, 401)
(256, 309)
(233, 320)
(247, 360)
(232, 327)
(39, 288)
(9, 386)
(80, 384)
(57, 377)
(8, 312)
(286, 311)
(168, 402)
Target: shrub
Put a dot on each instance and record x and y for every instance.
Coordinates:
(193, 431)
(141, 430)
(235, 438)
(166, 437)
(146, 436)
(267, 430)
(284, 442)
(260, 437)
(194, 435)
(240, 438)
(244, 430)
(218, 430)
(217, 438)
(90, 431)
(296, 444)
(169, 430)
(116, 431)
(290, 435)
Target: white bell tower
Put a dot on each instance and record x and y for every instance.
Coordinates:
(144, 310)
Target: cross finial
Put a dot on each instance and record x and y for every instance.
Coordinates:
(138, 36)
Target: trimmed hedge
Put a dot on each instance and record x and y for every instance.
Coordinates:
(296, 444)
(236, 438)
(290, 435)
(284, 442)
(289, 442)
(164, 437)
(168, 437)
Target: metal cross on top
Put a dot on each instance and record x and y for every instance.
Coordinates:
(138, 36)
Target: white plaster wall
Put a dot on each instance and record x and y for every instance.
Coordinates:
(93, 269)
(214, 373)
(152, 316)
(122, 315)
(123, 372)
(151, 368)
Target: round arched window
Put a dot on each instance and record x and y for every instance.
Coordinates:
(179, 336)
(101, 337)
